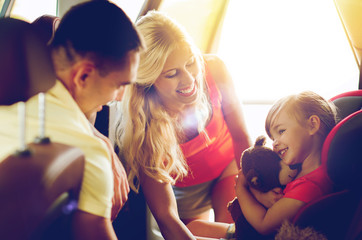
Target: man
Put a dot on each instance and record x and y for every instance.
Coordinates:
(95, 53)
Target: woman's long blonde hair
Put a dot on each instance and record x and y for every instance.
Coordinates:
(146, 133)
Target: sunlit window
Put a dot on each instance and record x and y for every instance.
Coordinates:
(2, 4)
(275, 48)
(131, 7)
(198, 17)
(31, 10)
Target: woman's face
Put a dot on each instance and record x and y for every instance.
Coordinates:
(177, 86)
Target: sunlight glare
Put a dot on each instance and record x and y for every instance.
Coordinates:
(276, 48)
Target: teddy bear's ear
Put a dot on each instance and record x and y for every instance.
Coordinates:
(253, 179)
(260, 141)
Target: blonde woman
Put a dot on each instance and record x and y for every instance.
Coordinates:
(181, 130)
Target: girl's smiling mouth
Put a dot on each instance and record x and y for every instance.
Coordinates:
(282, 152)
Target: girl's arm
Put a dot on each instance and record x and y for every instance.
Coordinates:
(162, 203)
(267, 199)
(231, 105)
(265, 221)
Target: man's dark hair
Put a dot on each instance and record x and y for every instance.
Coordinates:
(98, 30)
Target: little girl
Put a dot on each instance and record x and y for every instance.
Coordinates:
(298, 125)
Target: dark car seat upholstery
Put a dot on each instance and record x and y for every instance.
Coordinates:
(25, 64)
(348, 102)
(30, 185)
(46, 26)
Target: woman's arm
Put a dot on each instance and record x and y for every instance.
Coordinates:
(162, 203)
(231, 105)
(265, 221)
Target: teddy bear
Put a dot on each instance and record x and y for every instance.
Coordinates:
(264, 171)
(291, 231)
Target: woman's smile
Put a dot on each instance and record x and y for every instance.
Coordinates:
(188, 91)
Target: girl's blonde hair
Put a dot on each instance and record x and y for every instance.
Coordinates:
(147, 135)
(302, 106)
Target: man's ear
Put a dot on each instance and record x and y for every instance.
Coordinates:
(314, 124)
(83, 72)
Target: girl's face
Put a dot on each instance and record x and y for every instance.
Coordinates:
(291, 140)
(177, 85)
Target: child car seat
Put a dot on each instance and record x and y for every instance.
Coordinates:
(347, 103)
(338, 215)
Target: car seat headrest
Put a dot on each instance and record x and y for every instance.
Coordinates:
(348, 103)
(46, 25)
(25, 63)
(342, 152)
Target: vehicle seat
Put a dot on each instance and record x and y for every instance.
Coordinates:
(41, 184)
(348, 102)
(338, 215)
(25, 66)
(30, 185)
(46, 25)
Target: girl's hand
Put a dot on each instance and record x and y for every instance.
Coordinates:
(269, 198)
(266, 199)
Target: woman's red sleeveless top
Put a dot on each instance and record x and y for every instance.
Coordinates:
(207, 156)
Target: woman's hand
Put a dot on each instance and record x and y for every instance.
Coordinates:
(269, 198)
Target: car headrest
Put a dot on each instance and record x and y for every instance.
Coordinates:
(342, 152)
(46, 25)
(348, 102)
(25, 63)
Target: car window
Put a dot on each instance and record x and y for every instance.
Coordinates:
(202, 21)
(276, 48)
(131, 7)
(30, 10)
